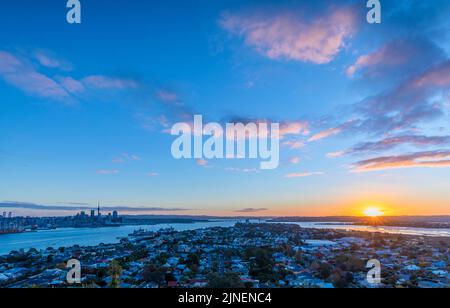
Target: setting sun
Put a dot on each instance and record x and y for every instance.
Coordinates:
(373, 212)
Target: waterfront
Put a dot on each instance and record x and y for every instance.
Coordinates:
(67, 237)
(436, 232)
(248, 255)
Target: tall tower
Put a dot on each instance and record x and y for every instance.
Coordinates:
(98, 210)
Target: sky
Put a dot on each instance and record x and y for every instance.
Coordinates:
(363, 108)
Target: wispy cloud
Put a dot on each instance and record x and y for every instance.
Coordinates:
(106, 172)
(28, 77)
(108, 83)
(395, 141)
(325, 134)
(242, 170)
(293, 35)
(430, 159)
(398, 57)
(126, 157)
(252, 210)
(50, 60)
(294, 160)
(25, 77)
(409, 104)
(293, 145)
(303, 175)
(33, 206)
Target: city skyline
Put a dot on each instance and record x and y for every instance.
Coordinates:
(363, 108)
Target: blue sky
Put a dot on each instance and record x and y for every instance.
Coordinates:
(85, 108)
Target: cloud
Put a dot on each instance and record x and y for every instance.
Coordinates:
(105, 172)
(395, 141)
(74, 203)
(168, 96)
(126, 157)
(49, 60)
(325, 134)
(287, 128)
(336, 154)
(430, 159)
(294, 128)
(293, 35)
(202, 162)
(414, 101)
(33, 206)
(72, 85)
(242, 170)
(333, 131)
(25, 77)
(251, 210)
(303, 175)
(105, 82)
(153, 174)
(294, 160)
(293, 145)
(398, 57)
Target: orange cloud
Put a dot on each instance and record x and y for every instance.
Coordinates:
(430, 159)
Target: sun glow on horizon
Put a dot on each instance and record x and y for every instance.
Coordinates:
(373, 212)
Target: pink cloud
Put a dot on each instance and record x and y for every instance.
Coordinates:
(24, 77)
(202, 162)
(302, 175)
(294, 128)
(437, 77)
(430, 159)
(51, 61)
(387, 55)
(105, 82)
(336, 154)
(72, 85)
(291, 36)
(294, 160)
(167, 96)
(293, 145)
(325, 134)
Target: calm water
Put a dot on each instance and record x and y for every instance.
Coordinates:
(392, 230)
(87, 236)
(90, 237)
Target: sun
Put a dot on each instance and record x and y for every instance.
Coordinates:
(373, 212)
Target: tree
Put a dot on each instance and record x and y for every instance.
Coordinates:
(115, 271)
(153, 274)
(228, 281)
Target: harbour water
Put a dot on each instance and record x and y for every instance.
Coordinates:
(91, 237)
(392, 230)
(67, 237)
